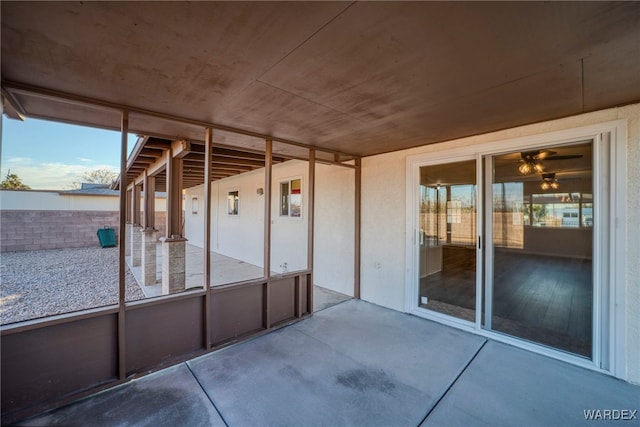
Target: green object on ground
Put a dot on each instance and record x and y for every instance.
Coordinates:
(107, 237)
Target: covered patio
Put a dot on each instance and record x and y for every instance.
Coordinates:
(360, 364)
(291, 136)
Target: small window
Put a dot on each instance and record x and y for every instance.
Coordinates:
(194, 205)
(232, 202)
(291, 198)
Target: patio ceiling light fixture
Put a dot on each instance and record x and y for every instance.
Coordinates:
(549, 181)
(530, 164)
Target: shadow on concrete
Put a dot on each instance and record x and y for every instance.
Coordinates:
(358, 364)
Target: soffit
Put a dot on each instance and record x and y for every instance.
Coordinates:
(360, 78)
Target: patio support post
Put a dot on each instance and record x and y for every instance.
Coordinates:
(310, 219)
(173, 244)
(268, 163)
(208, 141)
(127, 244)
(136, 229)
(357, 228)
(149, 233)
(122, 355)
(448, 189)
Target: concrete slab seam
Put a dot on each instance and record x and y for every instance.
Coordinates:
(206, 394)
(455, 380)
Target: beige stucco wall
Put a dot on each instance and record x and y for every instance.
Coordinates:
(384, 207)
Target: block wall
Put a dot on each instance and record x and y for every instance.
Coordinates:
(34, 230)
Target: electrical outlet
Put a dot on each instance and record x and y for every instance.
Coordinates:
(424, 300)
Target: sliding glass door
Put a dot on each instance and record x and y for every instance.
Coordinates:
(447, 239)
(540, 286)
(536, 275)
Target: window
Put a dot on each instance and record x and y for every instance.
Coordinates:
(194, 205)
(233, 202)
(562, 210)
(291, 198)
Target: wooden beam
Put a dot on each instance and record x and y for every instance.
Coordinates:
(207, 238)
(154, 152)
(174, 195)
(310, 222)
(160, 144)
(237, 161)
(267, 232)
(158, 167)
(180, 149)
(149, 202)
(122, 237)
(231, 171)
(127, 209)
(135, 205)
(225, 152)
(357, 228)
(224, 166)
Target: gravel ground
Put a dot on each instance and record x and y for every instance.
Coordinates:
(42, 283)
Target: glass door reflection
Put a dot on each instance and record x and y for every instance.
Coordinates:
(541, 289)
(447, 243)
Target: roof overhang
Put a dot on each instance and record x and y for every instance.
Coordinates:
(355, 78)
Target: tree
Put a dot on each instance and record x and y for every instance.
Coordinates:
(96, 176)
(539, 213)
(13, 182)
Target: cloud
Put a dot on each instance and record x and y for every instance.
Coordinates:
(51, 176)
(10, 162)
(85, 160)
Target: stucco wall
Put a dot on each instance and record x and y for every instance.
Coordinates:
(242, 236)
(334, 228)
(54, 201)
(384, 215)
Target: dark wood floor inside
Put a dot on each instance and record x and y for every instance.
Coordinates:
(543, 299)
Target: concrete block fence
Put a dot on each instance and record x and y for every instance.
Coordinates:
(30, 230)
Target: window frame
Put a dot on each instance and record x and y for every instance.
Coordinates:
(236, 211)
(195, 205)
(289, 182)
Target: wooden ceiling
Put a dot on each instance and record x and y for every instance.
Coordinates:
(359, 78)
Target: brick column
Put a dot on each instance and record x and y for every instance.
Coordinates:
(136, 229)
(149, 234)
(174, 245)
(136, 245)
(149, 241)
(127, 242)
(173, 264)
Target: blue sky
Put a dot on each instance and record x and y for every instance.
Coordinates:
(50, 156)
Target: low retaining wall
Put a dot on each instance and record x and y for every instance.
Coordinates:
(30, 230)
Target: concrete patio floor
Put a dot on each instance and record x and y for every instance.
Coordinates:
(358, 364)
(224, 270)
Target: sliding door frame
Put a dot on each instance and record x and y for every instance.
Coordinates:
(609, 237)
(413, 212)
